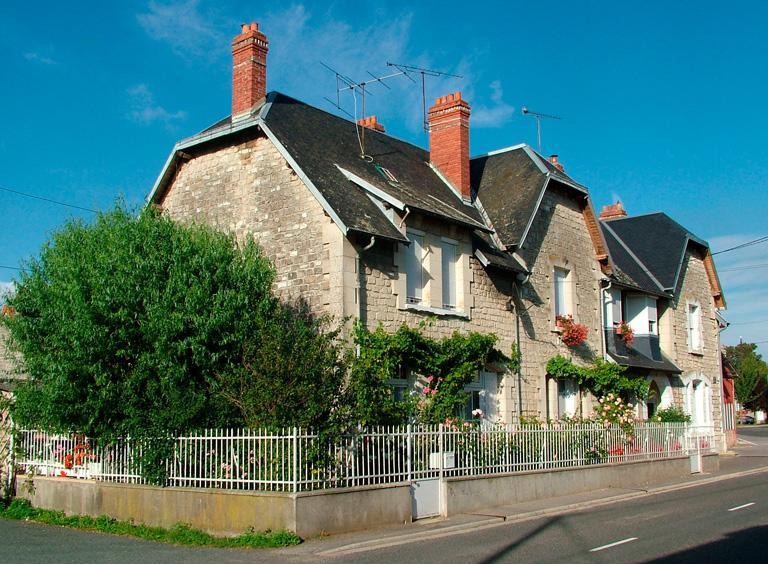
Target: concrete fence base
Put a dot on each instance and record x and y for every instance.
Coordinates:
(225, 512)
(463, 495)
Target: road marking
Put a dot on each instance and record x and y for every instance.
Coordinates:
(741, 506)
(617, 543)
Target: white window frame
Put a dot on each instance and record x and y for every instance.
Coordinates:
(562, 302)
(694, 327)
(572, 400)
(449, 273)
(415, 256)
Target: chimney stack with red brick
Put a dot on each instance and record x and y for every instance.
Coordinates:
(614, 211)
(449, 140)
(249, 69)
(556, 163)
(371, 123)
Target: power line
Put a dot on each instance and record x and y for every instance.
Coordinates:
(747, 244)
(749, 322)
(12, 268)
(48, 200)
(745, 267)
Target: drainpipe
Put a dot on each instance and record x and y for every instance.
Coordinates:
(602, 315)
(518, 285)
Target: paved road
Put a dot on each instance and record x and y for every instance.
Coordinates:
(702, 523)
(690, 525)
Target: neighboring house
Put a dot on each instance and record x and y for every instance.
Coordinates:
(665, 287)
(361, 224)
(10, 375)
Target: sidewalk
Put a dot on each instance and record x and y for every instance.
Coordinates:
(743, 460)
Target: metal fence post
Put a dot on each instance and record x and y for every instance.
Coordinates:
(409, 452)
(440, 448)
(295, 477)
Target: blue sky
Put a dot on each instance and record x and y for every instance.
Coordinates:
(662, 104)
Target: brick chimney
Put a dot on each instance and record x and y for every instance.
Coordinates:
(449, 140)
(557, 164)
(371, 123)
(614, 211)
(249, 69)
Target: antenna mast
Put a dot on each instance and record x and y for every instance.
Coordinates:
(405, 69)
(538, 116)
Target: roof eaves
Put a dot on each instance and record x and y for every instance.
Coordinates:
(307, 182)
(532, 155)
(635, 257)
(499, 151)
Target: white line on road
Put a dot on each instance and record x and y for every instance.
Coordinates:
(617, 543)
(741, 506)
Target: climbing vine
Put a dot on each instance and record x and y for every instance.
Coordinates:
(447, 366)
(601, 378)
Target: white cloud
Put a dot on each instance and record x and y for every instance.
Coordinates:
(38, 58)
(182, 25)
(146, 111)
(495, 115)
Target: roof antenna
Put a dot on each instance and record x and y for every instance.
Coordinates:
(344, 83)
(406, 69)
(538, 116)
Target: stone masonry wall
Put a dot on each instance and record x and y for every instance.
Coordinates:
(248, 189)
(558, 234)
(694, 286)
(558, 237)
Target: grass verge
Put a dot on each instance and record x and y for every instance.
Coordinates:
(181, 534)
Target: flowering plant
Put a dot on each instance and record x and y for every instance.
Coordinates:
(612, 410)
(573, 333)
(626, 332)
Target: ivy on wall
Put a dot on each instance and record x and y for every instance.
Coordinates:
(601, 378)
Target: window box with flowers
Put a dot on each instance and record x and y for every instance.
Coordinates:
(571, 333)
(625, 332)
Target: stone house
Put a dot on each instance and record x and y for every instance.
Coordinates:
(665, 288)
(361, 224)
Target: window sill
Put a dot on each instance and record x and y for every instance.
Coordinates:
(437, 311)
(697, 352)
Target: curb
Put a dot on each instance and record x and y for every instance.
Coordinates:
(519, 518)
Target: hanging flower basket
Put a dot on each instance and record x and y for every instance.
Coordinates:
(573, 334)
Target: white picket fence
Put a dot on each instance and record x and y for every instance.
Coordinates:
(300, 460)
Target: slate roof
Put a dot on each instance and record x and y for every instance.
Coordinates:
(658, 242)
(645, 353)
(626, 269)
(509, 183)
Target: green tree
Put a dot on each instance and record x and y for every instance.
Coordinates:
(293, 374)
(751, 372)
(125, 323)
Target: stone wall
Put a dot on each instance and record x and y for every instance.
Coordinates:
(558, 235)
(249, 190)
(694, 286)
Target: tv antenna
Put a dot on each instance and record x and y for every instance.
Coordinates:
(538, 116)
(345, 83)
(406, 69)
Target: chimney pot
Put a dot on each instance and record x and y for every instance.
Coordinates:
(449, 140)
(614, 211)
(371, 122)
(556, 163)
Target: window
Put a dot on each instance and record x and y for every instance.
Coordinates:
(562, 291)
(415, 269)
(694, 328)
(567, 397)
(449, 265)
